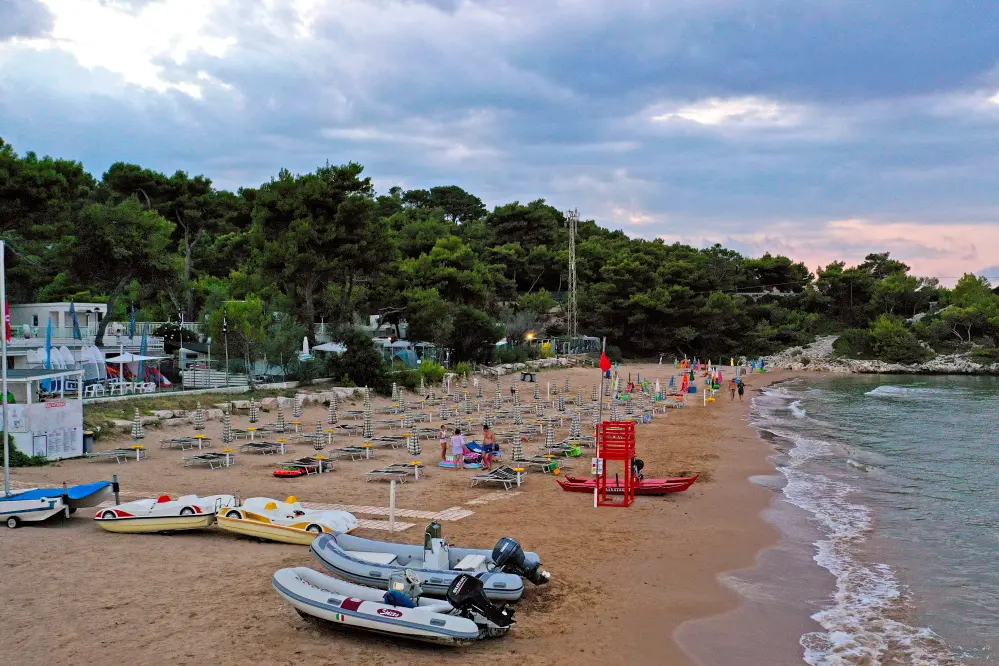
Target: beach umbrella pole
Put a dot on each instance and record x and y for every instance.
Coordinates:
(3, 370)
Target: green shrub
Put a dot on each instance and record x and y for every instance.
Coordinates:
(432, 371)
(895, 343)
(462, 369)
(20, 459)
(986, 355)
(854, 343)
(614, 353)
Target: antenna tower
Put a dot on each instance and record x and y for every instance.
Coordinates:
(572, 219)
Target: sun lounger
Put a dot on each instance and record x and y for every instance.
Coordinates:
(352, 452)
(262, 447)
(185, 443)
(351, 413)
(543, 464)
(118, 455)
(387, 473)
(395, 441)
(310, 465)
(210, 460)
(504, 476)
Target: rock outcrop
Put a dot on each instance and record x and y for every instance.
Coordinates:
(820, 357)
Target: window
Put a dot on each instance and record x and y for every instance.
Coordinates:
(100, 315)
(34, 320)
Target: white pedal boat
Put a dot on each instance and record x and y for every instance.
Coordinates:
(436, 563)
(163, 514)
(38, 504)
(465, 617)
(286, 522)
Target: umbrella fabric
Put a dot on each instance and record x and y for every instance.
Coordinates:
(281, 425)
(549, 435)
(579, 397)
(413, 445)
(131, 323)
(629, 408)
(537, 392)
(489, 419)
(368, 428)
(615, 413)
(518, 449)
(594, 417)
(254, 416)
(478, 390)
(143, 348)
(516, 399)
(518, 418)
(138, 432)
(199, 417)
(594, 393)
(466, 404)
(575, 428)
(395, 392)
(561, 403)
(423, 387)
(568, 387)
(407, 420)
(498, 399)
(296, 408)
(331, 413)
(76, 322)
(539, 408)
(464, 382)
(227, 435)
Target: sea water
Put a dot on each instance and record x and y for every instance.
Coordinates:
(900, 475)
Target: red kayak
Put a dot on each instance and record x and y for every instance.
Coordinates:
(289, 472)
(678, 484)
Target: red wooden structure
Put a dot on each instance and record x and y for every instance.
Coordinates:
(616, 441)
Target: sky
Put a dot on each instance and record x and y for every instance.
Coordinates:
(818, 129)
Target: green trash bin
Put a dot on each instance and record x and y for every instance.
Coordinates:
(88, 441)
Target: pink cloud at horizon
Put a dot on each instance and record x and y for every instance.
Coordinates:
(946, 251)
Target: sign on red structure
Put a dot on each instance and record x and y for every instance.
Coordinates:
(616, 441)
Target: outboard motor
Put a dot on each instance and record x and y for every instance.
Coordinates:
(435, 549)
(467, 597)
(509, 556)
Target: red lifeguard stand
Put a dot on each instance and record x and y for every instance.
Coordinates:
(616, 441)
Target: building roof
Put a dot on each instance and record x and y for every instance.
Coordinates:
(54, 304)
(37, 374)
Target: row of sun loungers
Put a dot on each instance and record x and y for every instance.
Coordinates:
(396, 471)
(210, 460)
(504, 476)
(265, 448)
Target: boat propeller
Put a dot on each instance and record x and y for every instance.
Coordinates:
(510, 557)
(466, 595)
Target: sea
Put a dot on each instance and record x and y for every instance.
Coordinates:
(897, 478)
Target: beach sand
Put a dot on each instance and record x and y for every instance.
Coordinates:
(623, 580)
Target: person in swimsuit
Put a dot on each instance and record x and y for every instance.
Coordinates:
(458, 449)
(742, 389)
(443, 442)
(488, 447)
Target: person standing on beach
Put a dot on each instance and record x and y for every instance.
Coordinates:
(488, 447)
(443, 442)
(458, 449)
(731, 389)
(742, 389)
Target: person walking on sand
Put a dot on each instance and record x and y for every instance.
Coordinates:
(488, 447)
(443, 442)
(458, 449)
(742, 389)
(731, 389)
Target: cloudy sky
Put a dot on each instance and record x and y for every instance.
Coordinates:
(821, 129)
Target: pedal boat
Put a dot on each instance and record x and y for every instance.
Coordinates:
(163, 514)
(285, 522)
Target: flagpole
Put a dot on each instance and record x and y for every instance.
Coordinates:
(3, 368)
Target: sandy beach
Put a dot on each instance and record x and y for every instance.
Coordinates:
(623, 579)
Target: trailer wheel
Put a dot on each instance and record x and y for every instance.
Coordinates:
(315, 529)
(13, 522)
(108, 515)
(187, 511)
(233, 514)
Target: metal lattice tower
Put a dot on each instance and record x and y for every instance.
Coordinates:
(572, 219)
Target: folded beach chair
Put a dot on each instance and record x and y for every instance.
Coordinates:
(504, 476)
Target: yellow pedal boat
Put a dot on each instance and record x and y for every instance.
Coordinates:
(285, 522)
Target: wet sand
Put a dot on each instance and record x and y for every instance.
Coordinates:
(623, 579)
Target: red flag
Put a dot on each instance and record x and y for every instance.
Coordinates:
(605, 363)
(6, 320)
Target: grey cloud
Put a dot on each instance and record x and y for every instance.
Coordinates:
(23, 18)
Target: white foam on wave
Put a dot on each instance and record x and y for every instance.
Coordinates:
(911, 392)
(798, 411)
(857, 627)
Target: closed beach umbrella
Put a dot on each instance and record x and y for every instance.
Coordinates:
(615, 412)
(629, 408)
(576, 427)
(539, 408)
(518, 449)
(561, 403)
(464, 382)
(395, 392)
(423, 387)
(281, 425)
(296, 408)
(594, 393)
(467, 404)
(402, 402)
(489, 420)
(368, 428)
(568, 386)
(413, 445)
(594, 417)
(516, 399)
(407, 420)
(478, 389)
(498, 399)
(518, 418)
(319, 427)
(254, 417)
(199, 417)
(579, 397)
(550, 435)
(331, 413)
(227, 436)
(537, 392)
(138, 432)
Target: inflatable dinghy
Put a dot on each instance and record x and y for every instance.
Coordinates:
(644, 487)
(465, 617)
(437, 564)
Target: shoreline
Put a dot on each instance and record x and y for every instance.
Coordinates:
(624, 581)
